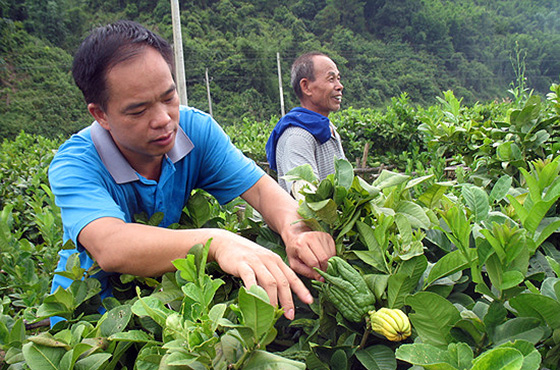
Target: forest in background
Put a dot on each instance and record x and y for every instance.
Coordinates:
(477, 48)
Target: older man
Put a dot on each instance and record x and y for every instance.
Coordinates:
(305, 135)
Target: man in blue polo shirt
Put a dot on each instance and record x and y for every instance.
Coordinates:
(146, 153)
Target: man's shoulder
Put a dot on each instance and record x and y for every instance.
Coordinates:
(80, 141)
(190, 118)
(296, 131)
(78, 149)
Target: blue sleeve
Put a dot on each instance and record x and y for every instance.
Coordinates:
(224, 171)
(77, 180)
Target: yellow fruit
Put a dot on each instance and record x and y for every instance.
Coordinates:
(393, 324)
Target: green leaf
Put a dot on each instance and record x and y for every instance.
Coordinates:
(501, 188)
(429, 356)
(326, 210)
(549, 229)
(431, 197)
(261, 360)
(17, 333)
(339, 360)
(499, 359)
(511, 279)
(199, 209)
(115, 320)
(461, 355)
(93, 362)
(344, 173)
(536, 214)
(554, 265)
(531, 356)
(525, 328)
(389, 179)
(134, 336)
(39, 357)
(377, 357)
(549, 287)
(447, 265)
(495, 271)
(433, 317)
(548, 175)
(150, 358)
(47, 340)
(303, 172)
(553, 192)
(373, 259)
(539, 306)
(405, 280)
(374, 256)
(460, 227)
(414, 213)
(519, 209)
(477, 201)
(418, 180)
(377, 283)
(508, 152)
(216, 313)
(257, 313)
(152, 307)
(187, 267)
(496, 243)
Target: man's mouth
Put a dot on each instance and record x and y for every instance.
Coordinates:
(164, 139)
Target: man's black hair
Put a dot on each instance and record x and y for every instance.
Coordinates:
(108, 46)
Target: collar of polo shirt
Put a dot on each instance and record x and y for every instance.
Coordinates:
(117, 165)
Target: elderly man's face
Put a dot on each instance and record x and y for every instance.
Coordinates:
(325, 92)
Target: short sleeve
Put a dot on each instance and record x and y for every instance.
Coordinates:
(78, 183)
(224, 171)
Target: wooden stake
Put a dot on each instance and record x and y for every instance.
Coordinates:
(280, 85)
(365, 155)
(178, 48)
(208, 92)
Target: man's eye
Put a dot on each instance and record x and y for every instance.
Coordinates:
(139, 113)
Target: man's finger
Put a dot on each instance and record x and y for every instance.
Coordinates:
(282, 285)
(301, 268)
(247, 274)
(296, 285)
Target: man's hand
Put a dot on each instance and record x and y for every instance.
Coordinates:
(257, 265)
(143, 250)
(308, 249)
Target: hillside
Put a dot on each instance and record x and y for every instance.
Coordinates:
(479, 49)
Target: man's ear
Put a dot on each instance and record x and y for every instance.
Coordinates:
(304, 84)
(99, 114)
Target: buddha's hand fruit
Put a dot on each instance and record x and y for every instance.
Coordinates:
(345, 287)
(393, 324)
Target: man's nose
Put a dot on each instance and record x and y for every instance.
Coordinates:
(161, 116)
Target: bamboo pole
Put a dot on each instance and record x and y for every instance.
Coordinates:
(208, 93)
(178, 48)
(280, 85)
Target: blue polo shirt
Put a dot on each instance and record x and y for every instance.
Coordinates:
(90, 179)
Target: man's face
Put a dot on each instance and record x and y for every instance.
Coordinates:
(324, 94)
(142, 112)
